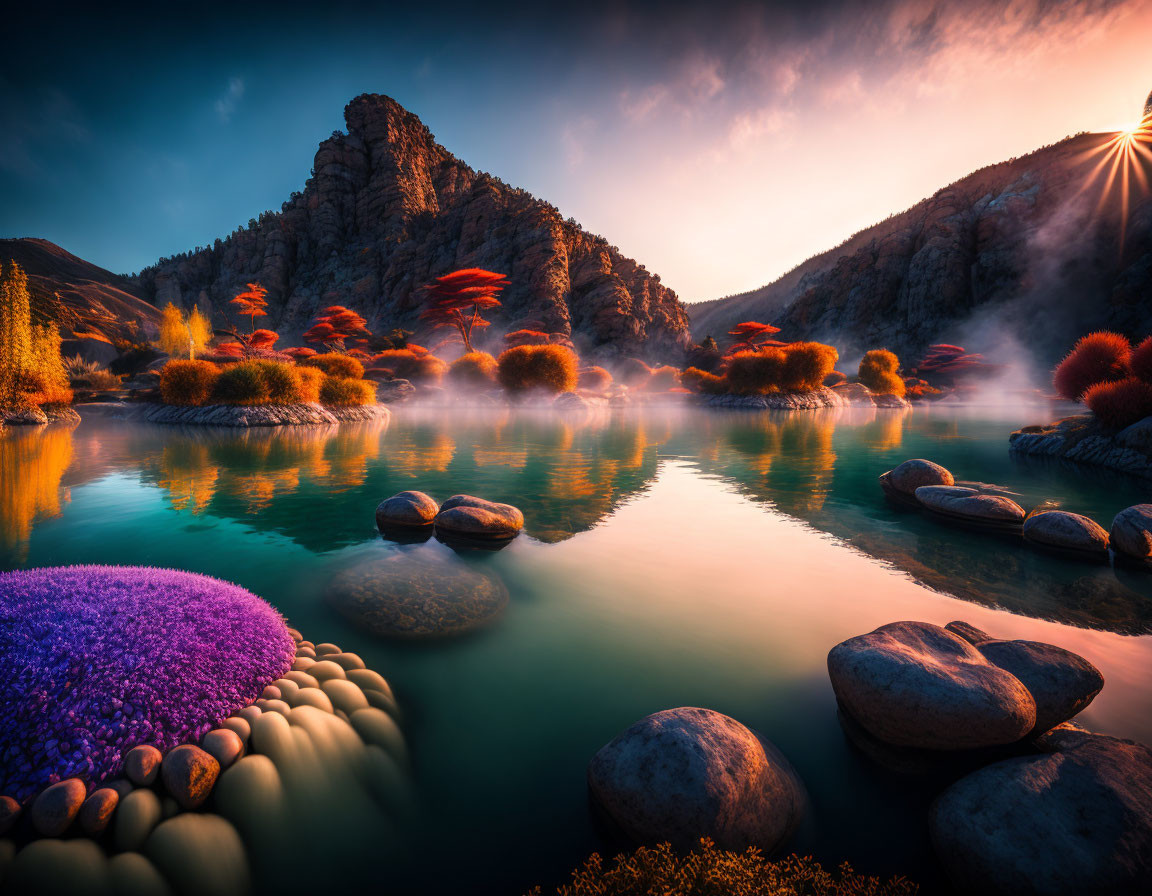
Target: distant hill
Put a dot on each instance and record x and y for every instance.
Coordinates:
(81, 297)
(386, 210)
(1019, 252)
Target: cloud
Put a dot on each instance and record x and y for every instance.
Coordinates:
(227, 103)
(574, 140)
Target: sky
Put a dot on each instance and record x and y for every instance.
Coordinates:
(719, 144)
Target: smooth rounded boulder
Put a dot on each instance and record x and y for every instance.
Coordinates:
(408, 509)
(687, 773)
(1131, 534)
(1077, 820)
(914, 684)
(477, 518)
(970, 505)
(1059, 530)
(189, 774)
(912, 474)
(1061, 682)
(56, 806)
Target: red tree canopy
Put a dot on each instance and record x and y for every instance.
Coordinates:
(335, 327)
(251, 304)
(458, 299)
(751, 336)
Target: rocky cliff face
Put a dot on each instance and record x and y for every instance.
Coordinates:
(1034, 250)
(386, 210)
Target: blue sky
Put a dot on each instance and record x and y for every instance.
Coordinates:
(719, 145)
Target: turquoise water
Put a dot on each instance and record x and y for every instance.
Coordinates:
(671, 558)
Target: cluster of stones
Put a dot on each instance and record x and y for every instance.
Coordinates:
(929, 486)
(171, 822)
(255, 415)
(1050, 808)
(460, 517)
(779, 401)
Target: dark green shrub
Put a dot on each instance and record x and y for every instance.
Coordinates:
(341, 392)
(188, 383)
(552, 368)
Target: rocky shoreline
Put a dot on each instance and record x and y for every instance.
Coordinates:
(1082, 440)
(780, 401)
(238, 415)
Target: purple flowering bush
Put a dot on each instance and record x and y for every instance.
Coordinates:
(95, 660)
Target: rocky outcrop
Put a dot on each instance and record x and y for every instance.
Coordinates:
(386, 210)
(1082, 440)
(1022, 242)
(779, 401)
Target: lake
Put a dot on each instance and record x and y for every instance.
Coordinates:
(671, 557)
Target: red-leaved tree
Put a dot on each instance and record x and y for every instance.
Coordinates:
(459, 299)
(336, 327)
(751, 336)
(251, 303)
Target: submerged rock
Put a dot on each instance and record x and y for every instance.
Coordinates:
(1061, 682)
(970, 505)
(1060, 530)
(1077, 820)
(914, 473)
(477, 518)
(406, 509)
(688, 773)
(417, 594)
(1131, 533)
(914, 684)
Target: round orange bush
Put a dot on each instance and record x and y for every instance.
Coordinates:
(663, 379)
(188, 383)
(475, 370)
(1120, 403)
(311, 379)
(552, 368)
(806, 364)
(879, 372)
(342, 391)
(593, 379)
(633, 373)
(409, 364)
(756, 373)
(1140, 361)
(283, 381)
(335, 364)
(1100, 357)
(697, 380)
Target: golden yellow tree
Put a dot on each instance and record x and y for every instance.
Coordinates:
(199, 332)
(16, 356)
(173, 331)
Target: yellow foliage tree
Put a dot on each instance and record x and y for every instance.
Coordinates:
(183, 337)
(15, 333)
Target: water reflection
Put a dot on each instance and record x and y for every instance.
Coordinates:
(319, 485)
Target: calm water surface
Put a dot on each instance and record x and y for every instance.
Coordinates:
(672, 558)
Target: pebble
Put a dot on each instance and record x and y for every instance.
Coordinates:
(279, 706)
(96, 812)
(325, 648)
(368, 680)
(347, 661)
(139, 812)
(223, 745)
(377, 727)
(311, 697)
(271, 692)
(296, 636)
(189, 774)
(325, 670)
(239, 726)
(344, 695)
(406, 509)
(287, 687)
(55, 808)
(302, 663)
(250, 714)
(306, 651)
(142, 765)
(303, 679)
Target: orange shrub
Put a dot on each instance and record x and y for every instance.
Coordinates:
(1140, 361)
(921, 391)
(594, 379)
(835, 378)
(188, 383)
(342, 392)
(311, 379)
(335, 364)
(1100, 357)
(878, 371)
(633, 373)
(548, 367)
(806, 364)
(756, 373)
(410, 364)
(475, 370)
(697, 380)
(1120, 403)
(663, 379)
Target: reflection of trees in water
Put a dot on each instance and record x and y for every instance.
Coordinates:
(32, 463)
(791, 461)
